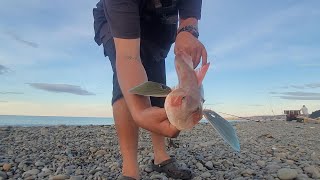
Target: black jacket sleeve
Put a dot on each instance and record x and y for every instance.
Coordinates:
(190, 9)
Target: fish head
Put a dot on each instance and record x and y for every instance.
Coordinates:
(184, 110)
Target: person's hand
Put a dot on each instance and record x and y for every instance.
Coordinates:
(155, 119)
(192, 46)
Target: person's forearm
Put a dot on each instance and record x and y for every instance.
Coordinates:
(131, 73)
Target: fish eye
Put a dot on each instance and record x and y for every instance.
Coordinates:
(183, 97)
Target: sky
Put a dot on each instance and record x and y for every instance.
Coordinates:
(265, 58)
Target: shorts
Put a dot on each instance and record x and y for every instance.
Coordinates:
(153, 60)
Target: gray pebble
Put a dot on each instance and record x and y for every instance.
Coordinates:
(159, 176)
(206, 174)
(287, 174)
(209, 165)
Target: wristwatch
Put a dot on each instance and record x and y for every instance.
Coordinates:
(191, 29)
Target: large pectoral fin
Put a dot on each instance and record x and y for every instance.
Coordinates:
(224, 128)
(151, 88)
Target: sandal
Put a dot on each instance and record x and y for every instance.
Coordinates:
(172, 169)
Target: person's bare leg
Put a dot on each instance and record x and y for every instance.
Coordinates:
(128, 133)
(159, 148)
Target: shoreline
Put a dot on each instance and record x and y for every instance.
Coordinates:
(269, 150)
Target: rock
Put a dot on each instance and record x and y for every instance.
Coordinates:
(313, 171)
(39, 163)
(76, 178)
(261, 163)
(314, 156)
(59, 177)
(206, 174)
(302, 177)
(247, 172)
(30, 172)
(3, 175)
(148, 169)
(290, 162)
(159, 176)
(273, 168)
(100, 153)
(209, 165)
(94, 171)
(287, 174)
(281, 155)
(200, 166)
(6, 167)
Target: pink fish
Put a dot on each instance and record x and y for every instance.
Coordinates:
(184, 104)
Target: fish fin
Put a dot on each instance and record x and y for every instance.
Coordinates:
(224, 128)
(176, 100)
(201, 73)
(151, 88)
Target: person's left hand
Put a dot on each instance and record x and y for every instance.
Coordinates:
(192, 46)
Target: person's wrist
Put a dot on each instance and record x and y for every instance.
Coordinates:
(190, 29)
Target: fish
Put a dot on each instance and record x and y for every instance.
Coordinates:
(184, 103)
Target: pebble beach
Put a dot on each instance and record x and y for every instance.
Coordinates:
(270, 149)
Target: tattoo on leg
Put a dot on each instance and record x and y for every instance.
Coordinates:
(132, 58)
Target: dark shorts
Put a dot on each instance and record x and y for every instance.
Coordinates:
(153, 61)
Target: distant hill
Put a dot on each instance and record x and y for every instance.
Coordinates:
(315, 114)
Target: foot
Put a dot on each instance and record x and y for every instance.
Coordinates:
(171, 168)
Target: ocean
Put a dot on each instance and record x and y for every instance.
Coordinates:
(12, 120)
(29, 121)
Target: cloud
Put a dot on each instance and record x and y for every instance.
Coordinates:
(3, 101)
(4, 69)
(11, 92)
(61, 88)
(21, 40)
(313, 85)
(298, 95)
(313, 98)
(256, 105)
(304, 86)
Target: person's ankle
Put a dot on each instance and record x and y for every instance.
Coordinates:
(160, 157)
(130, 171)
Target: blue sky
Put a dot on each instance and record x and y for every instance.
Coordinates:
(265, 58)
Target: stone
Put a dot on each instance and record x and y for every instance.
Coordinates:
(206, 174)
(200, 166)
(30, 172)
(287, 174)
(209, 165)
(39, 163)
(273, 168)
(313, 171)
(100, 153)
(6, 167)
(261, 163)
(3, 175)
(59, 177)
(159, 176)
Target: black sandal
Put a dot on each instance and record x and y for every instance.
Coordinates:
(172, 169)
